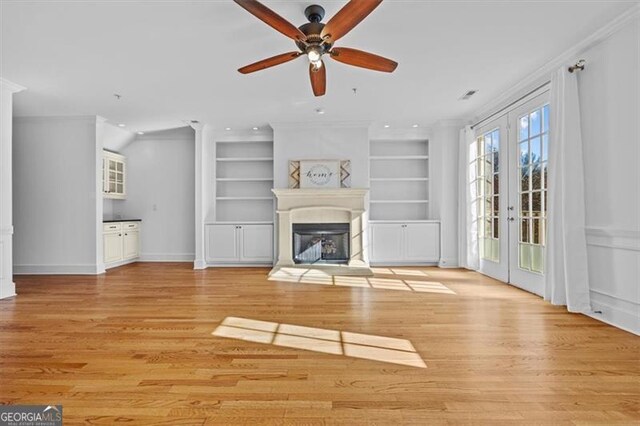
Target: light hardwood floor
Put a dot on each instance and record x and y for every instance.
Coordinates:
(144, 344)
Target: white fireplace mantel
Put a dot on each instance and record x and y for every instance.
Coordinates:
(340, 205)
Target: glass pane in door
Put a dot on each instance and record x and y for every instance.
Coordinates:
(533, 143)
(486, 190)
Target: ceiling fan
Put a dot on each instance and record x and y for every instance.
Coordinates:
(315, 39)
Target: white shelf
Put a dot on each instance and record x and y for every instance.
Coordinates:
(400, 157)
(242, 160)
(270, 179)
(243, 198)
(241, 222)
(399, 178)
(399, 201)
(243, 182)
(404, 221)
(407, 179)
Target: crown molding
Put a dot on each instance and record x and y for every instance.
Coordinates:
(543, 73)
(265, 135)
(405, 133)
(52, 118)
(320, 125)
(11, 86)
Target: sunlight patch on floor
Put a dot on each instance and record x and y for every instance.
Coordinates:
(397, 271)
(316, 276)
(356, 345)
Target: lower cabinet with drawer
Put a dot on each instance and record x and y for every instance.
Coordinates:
(239, 244)
(121, 243)
(405, 243)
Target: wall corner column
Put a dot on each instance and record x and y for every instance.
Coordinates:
(7, 90)
(200, 196)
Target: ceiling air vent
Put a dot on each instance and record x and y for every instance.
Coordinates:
(468, 95)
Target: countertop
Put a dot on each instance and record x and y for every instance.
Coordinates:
(120, 220)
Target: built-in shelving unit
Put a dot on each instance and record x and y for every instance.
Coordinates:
(399, 180)
(243, 182)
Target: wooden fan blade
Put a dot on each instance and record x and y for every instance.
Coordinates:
(272, 19)
(269, 62)
(318, 80)
(361, 59)
(348, 17)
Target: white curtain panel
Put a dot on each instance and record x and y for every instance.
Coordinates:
(566, 277)
(467, 212)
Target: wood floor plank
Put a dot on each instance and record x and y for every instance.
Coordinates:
(138, 345)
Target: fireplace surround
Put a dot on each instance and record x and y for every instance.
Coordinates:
(340, 206)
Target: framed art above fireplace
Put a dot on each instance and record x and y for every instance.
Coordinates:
(319, 174)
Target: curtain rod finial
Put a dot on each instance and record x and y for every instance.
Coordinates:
(579, 66)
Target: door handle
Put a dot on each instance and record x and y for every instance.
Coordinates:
(511, 219)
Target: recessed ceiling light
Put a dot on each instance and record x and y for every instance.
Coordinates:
(141, 133)
(120, 125)
(228, 128)
(386, 126)
(415, 125)
(255, 128)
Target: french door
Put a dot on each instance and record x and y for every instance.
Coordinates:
(510, 194)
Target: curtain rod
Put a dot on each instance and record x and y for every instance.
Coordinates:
(546, 83)
(579, 66)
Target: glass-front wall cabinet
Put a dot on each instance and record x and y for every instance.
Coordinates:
(113, 175)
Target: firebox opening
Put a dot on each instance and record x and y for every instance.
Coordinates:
(315, 243)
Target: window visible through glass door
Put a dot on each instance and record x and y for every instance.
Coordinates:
(487, 194)
(533, 149)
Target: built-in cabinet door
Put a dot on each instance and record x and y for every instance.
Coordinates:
(113, 176)
(222, 243)
(131, 244)
(386, 242)
(422, 242)
(112, 247)
(257, 243)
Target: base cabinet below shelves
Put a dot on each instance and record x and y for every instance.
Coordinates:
(112, 247)
(121, 243)
(239, 244)
(405, 243)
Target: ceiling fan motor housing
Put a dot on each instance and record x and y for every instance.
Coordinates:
(314, 13)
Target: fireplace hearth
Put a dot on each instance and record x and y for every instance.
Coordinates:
(321, 243)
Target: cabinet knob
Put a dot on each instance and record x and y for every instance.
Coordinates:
(119, 235)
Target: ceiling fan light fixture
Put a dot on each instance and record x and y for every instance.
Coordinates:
(314, 53)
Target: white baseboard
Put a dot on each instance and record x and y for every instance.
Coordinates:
(239, 265)
(120, 263)
(382, 263)
(166, 257)
(616, 312)
(451, 262)
(199, 264)
(56, 270)
(7, 290)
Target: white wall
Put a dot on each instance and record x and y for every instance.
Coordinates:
(7, 91)
(443, 176)
(114, 139)
(161, 192)
(57, 203)
(609, 103)
(319, 141)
